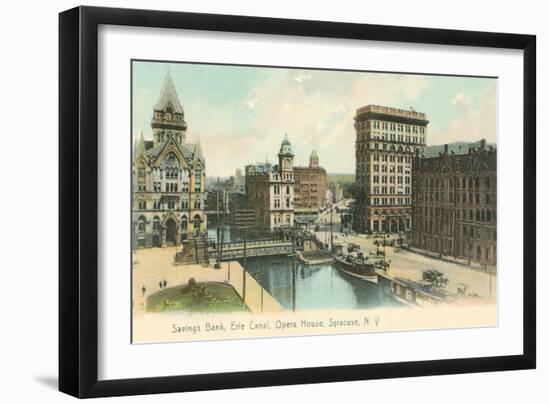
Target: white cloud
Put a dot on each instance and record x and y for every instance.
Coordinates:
(316, 110)
(302, 77)
(476, 119)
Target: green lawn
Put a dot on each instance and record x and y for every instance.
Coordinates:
(199, 297)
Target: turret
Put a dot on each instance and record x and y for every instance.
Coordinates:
(313, 160)
(286, 157)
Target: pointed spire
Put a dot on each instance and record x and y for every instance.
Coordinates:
(169, 96)
(197, 154)
(313, 159)
(140, 145)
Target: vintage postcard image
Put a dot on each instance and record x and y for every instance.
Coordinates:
(275, 201)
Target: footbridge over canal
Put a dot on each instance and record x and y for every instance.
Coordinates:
(203, 250)
(256, 248)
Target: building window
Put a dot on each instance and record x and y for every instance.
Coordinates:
(198, 180)
(156, 224)
(141, 224)
(142, 205)
(197, 222)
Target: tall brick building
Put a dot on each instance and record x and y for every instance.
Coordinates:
(310, 184)
(454, 199)
(386, 141)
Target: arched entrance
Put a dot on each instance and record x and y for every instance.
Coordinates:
(171, 232)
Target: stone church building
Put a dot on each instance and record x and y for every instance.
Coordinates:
(168, 178)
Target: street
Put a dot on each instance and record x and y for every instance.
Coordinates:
(410, 265)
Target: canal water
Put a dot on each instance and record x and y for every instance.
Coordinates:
(316, 287)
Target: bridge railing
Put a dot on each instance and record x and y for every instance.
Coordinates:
(249, 244)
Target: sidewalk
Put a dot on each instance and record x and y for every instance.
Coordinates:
(155, 265)
(472, 265)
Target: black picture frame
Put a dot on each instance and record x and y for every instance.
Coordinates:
(78, 200)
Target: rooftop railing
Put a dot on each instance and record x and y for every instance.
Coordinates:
(392, 111)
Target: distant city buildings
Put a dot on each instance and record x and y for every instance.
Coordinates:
(235, 183)
(336, 192)
(168, 178)
(454, 200)
(386, 141)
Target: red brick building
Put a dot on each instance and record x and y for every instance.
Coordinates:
(454, 204)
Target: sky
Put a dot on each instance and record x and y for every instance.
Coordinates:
(240, 114)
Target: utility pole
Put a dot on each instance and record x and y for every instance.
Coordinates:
(331, 235)
(196, 251)
(244, 222)
(220, 249)
(217, 265)
(244, 269)
(293, 285)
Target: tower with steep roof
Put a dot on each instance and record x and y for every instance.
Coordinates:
(168, 118)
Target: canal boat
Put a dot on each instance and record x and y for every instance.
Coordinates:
(418, 293)
(356, 266)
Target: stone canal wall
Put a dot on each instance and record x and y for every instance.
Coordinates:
(255, 296)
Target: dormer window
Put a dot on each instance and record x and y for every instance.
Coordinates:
(168, 113)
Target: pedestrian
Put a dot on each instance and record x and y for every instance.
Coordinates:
(143, 290)
(160, 284)
(164, 283)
